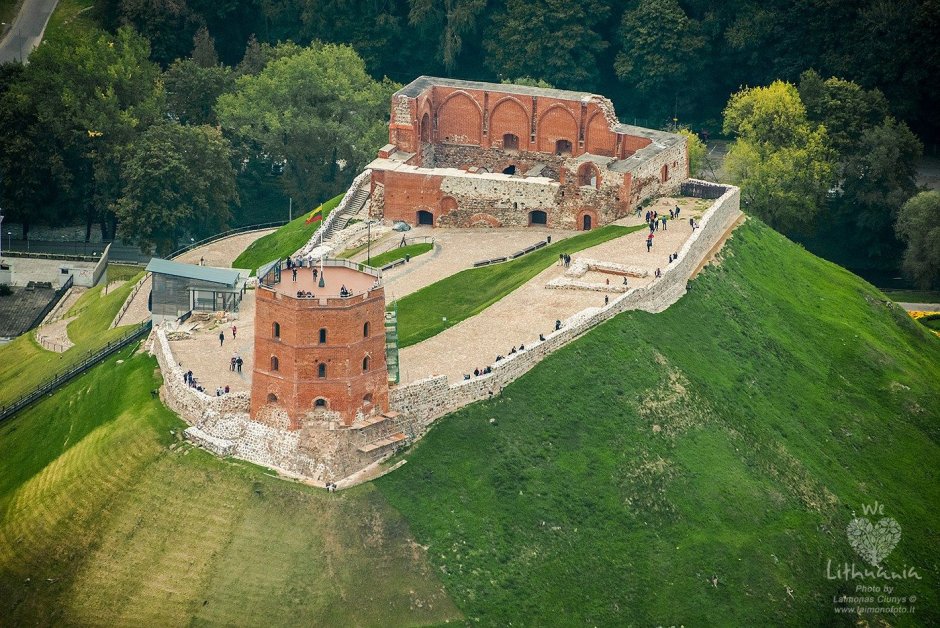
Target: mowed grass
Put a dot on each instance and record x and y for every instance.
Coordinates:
(123, 272)
(413, 250)
(283, 242)
(24, 364)
(108, 518)
(731, 437)
(467, 293)
(914, 296)
(70, 16)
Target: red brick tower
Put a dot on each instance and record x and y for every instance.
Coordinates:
(316, 350)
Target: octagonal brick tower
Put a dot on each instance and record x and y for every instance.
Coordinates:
(319, 348)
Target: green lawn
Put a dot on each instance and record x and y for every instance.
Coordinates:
(108, 518)
(24, 364)
(413, 250)
(8, 9)
(731, 436)
(72, 15)
(283, 242)
(469, 292)
(914, 296)
(122, 272)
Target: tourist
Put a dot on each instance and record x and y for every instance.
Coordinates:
(232, 365)
(234, 330)
(664, 222)
(521, 348)
(218, 391)
(221, 338)
(608, 281)
(513, 350)
(658, 274)
(476, 372)
(314, 274)
(606, 299)
(672, 214)
(226, 389)
(557, 325)
(402, 243)
(670, 258)
(238, 364)
(624, 280)
(466, 376)
(692, 223)
(541, 337)
(649, 243)
(202, 261)
(294, 273)
(677, 211)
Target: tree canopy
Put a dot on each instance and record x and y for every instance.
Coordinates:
(919, 227)
(317, 109)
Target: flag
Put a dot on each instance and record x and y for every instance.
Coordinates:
(315, 215)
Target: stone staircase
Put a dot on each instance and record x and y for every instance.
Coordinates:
(352, 209)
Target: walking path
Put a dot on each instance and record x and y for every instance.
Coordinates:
(27, 30)
(921, 307)
(519, 317)
(220, 253)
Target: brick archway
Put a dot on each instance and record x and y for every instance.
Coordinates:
(587, 220)
(460, 120)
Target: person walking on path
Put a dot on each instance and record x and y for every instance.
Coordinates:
(294, 271)
(649, 243)
(238, 364)
(231, 366)
(221, 338)
(233, 332)
(663, 219)
(677, 211)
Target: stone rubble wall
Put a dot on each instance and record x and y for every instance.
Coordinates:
(433, 397)
(309, 248)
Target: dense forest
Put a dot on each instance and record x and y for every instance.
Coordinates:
(120, 124)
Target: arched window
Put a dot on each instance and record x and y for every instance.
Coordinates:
(510, 142)
(664, 173)
(276, 330)
(365, 364)
(323, 336)
(365, 329)
(320, 403)
(563, 147)
(367, 399)
(425, 218)
(272, 398)
(275, 365)
(587, 175)
(321, 370)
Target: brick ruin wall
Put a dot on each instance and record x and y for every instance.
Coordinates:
(498, 200)
(429, 399)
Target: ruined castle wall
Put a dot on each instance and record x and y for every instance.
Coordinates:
(647, 177)
(433, 397)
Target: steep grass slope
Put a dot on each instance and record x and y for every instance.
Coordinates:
(107, 518)
(698, 466)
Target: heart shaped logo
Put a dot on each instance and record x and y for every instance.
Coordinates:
(873, 542)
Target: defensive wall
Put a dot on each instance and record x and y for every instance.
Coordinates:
(431, 398)
(466, 153)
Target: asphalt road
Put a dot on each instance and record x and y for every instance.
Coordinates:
(27, 29)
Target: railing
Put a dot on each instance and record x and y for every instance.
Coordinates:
(60, 379)
(225, 234)
(54, 302)
(128, 301)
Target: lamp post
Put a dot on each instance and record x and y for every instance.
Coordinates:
(369, 243)
(9, 240)
(1, 227)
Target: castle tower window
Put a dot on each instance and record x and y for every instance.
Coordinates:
(275, 365)
(367, 399)
(323, 336)
(272, 398)
(320, 403)
(510, 142)
(365, 330)
(321, 370)
(276, 330)
(664, 173)
(365, 364)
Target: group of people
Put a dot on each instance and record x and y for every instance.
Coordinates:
(222, 335)
(301, 294)
(331, 487)
(564, 259)
(236, 363)
(221, 391)
(190, 381)
(654, 220)
(344, 291)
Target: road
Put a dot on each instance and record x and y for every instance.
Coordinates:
(27, 30)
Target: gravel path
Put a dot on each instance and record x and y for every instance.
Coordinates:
(519, 317)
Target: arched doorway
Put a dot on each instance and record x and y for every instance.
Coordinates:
(563, 147)
(538, 217)
(426, 129)
(510, 142)
(272, 398)
(509, 169)
(586, 222)
(425, 217)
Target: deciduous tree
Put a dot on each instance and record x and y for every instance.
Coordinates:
(919, 227)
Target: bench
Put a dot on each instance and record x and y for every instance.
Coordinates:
(391, 265)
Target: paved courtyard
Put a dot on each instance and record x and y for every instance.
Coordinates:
(519, 317)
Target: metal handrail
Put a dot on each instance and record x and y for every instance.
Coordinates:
(225, 234)
(62, 378)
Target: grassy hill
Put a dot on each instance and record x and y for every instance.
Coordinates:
(283, 242)
(732, 436)
(106, 517)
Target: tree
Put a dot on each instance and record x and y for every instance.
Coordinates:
(192, 90)
(919, 227)
(92, 93)
(553, 40)
(696, 149)
(781, 161)
(529, 81)
(204, 54)
(178, 182)
(662, 49)
(452, 20)
(168, 24)
(319, 110)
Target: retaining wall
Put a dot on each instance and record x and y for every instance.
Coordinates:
(431, 398)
